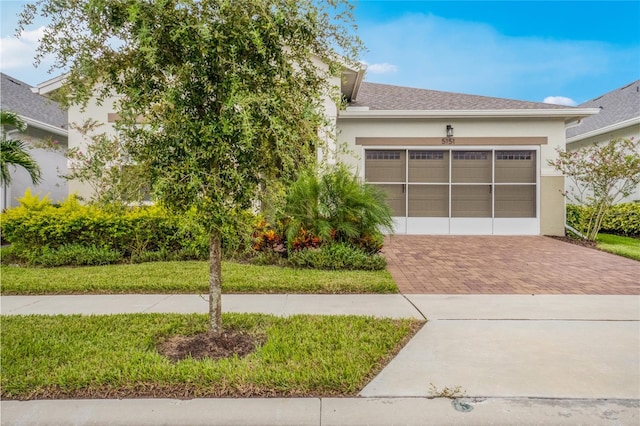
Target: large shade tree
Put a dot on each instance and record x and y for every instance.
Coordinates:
(218, 97)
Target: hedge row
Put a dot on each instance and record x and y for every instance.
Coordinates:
(623, 219)
(38, 226)
(44, 234)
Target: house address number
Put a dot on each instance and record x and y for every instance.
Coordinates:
(448, 141)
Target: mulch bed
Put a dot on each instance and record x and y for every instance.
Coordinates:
(576, 241)
(206, 345)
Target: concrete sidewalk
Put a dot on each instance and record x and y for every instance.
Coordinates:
(520, 359)
(319, 412)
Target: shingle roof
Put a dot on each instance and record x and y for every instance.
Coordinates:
(16, 96)
(387, 97)
(616, 106)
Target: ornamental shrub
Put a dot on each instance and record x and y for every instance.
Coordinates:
(337, 256)
(622, 219)
(38, 228)
(336, 206)
(602, 175)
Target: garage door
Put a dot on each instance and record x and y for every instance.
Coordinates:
(458, 191)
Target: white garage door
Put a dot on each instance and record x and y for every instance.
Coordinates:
(458, 191)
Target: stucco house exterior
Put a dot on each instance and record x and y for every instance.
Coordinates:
(46, 122)
(459, 164)
(451, 163)
(619, 117)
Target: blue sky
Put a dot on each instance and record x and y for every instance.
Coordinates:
(529, 50)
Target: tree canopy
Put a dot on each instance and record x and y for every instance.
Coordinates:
(216, 97)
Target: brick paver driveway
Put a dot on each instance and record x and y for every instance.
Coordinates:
(506, 265)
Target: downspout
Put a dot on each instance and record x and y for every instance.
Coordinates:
(574, 230)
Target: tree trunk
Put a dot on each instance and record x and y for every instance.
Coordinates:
(215, 285)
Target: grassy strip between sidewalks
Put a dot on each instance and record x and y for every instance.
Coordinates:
(622, 246)
(189, 277)
(115, 356)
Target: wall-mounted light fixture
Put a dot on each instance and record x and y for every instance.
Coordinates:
(449, 131)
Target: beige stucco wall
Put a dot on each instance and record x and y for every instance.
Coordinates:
(77, 117)
(552, 212)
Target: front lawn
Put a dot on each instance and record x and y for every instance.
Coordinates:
(622, 246)
(189, 277)
(115, 356)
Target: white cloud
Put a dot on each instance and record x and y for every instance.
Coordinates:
(381, 68)
(16, 53)
(560, 100)
(17, 57)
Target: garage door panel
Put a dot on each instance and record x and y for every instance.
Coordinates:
(428, 200)
(395, 198)
(471, 201)
(471, 167)
(385, 166)
(429, 166)
(515, 167)
(515, 201)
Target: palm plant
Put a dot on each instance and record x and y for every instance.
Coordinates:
(336, 206)
(14, 152)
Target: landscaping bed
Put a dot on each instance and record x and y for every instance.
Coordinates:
(116, 356)
(616, 244)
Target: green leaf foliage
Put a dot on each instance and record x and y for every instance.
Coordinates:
(42, 231)
(621, 219)
(337, 256)
(230, 93)
(336, 206)
(14, 152)
(216, 98)
(602, 174)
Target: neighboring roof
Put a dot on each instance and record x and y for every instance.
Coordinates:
(17, 96)
(385, 97)
(620, 106)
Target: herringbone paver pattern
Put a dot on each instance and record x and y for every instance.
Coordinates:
(506, 265)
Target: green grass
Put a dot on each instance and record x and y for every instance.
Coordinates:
(189, 277)
(115, 356)
(622, 246)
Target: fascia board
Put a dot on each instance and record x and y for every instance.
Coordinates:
(567, 114)
(44, 126)
(603, 130)
(49, 85)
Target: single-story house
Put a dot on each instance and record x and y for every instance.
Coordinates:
(459, 164)
(47, 124)
(451, 163)
(619, 117)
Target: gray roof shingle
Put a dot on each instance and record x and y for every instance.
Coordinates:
(616, 106)
(388, 98)
(16, 96)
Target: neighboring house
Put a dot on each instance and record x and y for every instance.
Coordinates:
(619, 117)
(451, 163)
(46, 123)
